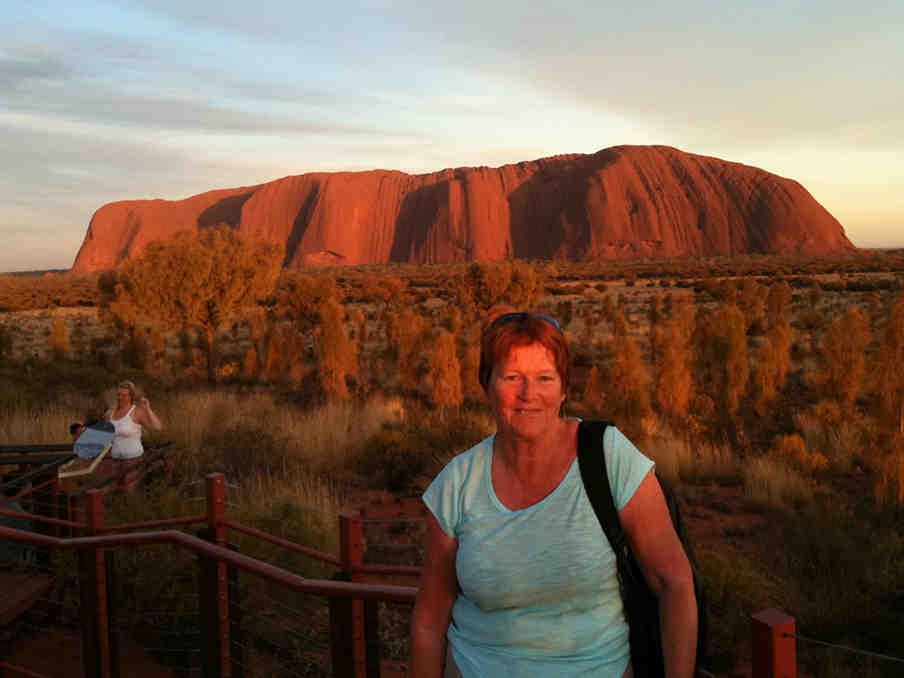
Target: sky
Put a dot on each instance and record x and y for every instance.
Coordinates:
(105, 101)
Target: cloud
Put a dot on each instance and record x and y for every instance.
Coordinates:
(25, 65)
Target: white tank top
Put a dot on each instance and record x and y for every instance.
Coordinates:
(127, 441)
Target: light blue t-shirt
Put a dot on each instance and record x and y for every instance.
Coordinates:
(539, 590)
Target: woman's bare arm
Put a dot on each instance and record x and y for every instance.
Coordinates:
(661, 557)
(145, 416)
(433, 606)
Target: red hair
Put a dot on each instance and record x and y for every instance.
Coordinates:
(497, 341)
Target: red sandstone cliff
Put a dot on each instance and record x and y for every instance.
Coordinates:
(626, 201)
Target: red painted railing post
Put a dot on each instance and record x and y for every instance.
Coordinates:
(213, 588)
(351, 553)
(96, 657)
(773, 644)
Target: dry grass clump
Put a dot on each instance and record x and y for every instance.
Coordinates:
(793, 450)
(231, 427)
(838, 438)
(34, 426)
(772, 483)
(680, 460)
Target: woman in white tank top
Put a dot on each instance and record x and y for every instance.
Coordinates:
(127, 418)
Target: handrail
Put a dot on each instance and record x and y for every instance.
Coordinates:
(18, 480)
(165, 522)
(151, 455)
(319, 587)
(407, 570)
(27, 491)
(28, 449)
(285, 543)
(41, 519)
(26, 460)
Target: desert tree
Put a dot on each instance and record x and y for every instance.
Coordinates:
(772, 364)
(407, 331)
(250, 364)
(842, 357)
(470, 365)
(301, 297)
(337, 353)
(195, 279)
(674, 381)
(778, 303)
(485, 284)
(722, 365)
(445, 372)
(752, 302)
(888, 483)
(593, 396)
(358, 320)
(627, 383)
(890, 383)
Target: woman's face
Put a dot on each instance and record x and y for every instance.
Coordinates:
(525, 392)
(124, 395)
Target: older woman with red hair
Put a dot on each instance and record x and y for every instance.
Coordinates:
(519, 579)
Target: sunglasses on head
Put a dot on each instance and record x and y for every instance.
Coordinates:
(521, 316)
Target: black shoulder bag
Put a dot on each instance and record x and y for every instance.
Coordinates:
(640, 603)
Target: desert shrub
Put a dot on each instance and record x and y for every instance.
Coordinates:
(593, 396)
(486, 284)
(752, 302)
(6, 341)
(337, 353)
(674, 381)
(888, 486)
(197, 278)
(844, 440)
(59, 339)
(445, 372)
(778, 302)
(890, 363)
(736, 584)
(470, 366)
(720, 343)
(407, 332)
(243, 449)
(773, 483)
(30, 292)
(33, 385)
(681, 460)
(300, 297)
(627, 392)
(842, 357)
(772, 364)
(793, 450)
(811, 319)
(563, 312)
(250, 364)
(392, 459)
(404, 458)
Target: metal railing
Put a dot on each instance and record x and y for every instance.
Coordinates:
(353, 617)
(353, 607)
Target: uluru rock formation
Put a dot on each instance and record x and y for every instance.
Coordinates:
(625, 201)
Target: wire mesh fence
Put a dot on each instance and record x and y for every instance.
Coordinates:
(154, 608)
(155, 594)
(281, 632)
(41, 611)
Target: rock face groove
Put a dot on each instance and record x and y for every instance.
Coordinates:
(622, 202)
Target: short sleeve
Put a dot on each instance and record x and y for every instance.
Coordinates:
(442, 498)
(625, 465)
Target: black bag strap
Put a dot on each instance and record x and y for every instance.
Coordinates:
(592, 464)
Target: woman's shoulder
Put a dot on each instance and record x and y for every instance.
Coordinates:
(466, 463)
